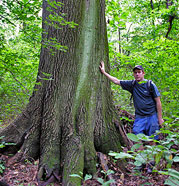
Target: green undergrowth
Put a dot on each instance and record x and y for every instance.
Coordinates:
(164, 153)
(2, 145)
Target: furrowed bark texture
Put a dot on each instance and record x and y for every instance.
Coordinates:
(70, 114)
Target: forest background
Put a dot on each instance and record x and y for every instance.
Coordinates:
(139, 32)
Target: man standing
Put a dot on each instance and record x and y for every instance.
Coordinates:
(147, 104)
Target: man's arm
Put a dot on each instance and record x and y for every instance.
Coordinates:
(159, 110)
(113, 79)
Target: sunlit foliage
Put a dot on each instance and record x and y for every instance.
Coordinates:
(20, 38)
(146, 33)
(139, 32)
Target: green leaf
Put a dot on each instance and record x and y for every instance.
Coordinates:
(76, 175)
(120, 155)
(176, 159)
(144, 137)
(108, 182)
(46, 74)
(158, 157)
(123, 155)
(113, 153)
(2, 145)
(87, 177)
(137, 163)
(165, 93)
(173, 173)
(172, 181)
(100, 180)
(136, 146)
(163, 172)
(133, 137)
(110, 172)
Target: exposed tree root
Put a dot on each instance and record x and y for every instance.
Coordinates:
(14, 159)
(53, 178)
(122, 131)
(103, 160)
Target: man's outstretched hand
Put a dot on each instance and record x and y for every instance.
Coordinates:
(101, 67)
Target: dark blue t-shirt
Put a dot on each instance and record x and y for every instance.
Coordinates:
(144, 102)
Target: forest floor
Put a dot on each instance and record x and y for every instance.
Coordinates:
(24, 174)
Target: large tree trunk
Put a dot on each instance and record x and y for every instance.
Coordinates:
(69, 116)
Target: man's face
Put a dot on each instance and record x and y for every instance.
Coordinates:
(139, 75)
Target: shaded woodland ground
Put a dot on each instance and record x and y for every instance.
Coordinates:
(24, 173)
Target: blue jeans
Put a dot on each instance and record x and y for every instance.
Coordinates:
(146, 125)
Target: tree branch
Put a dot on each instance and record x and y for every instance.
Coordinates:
(104, 161)
(19, 82)
(159, 5)
(167, 1)
(171, 18)
(152, 5)
(7, 20)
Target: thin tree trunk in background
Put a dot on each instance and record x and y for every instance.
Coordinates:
(119, 31)
(171, 17)
(152, 5)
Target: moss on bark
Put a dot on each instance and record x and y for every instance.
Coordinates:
(70, 117)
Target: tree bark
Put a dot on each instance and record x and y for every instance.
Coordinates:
(69, 116)
(152, 4)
